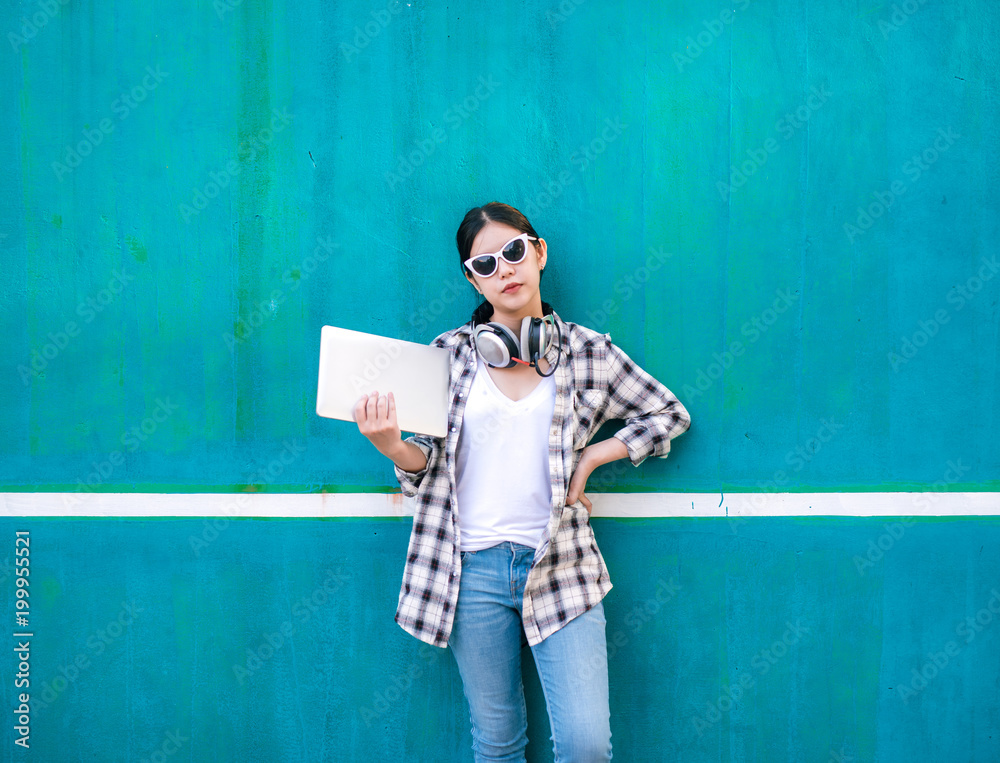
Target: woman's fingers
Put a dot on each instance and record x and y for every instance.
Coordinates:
(366, 411)
(361, 410)
(381, 407)
(375, 412)
(374, 409)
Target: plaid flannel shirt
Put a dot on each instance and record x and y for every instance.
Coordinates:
(595, 382)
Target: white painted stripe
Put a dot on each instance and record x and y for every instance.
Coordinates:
(732, 505)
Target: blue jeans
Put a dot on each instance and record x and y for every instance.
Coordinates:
(487, 638)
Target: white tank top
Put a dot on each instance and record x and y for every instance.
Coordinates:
(502, 464)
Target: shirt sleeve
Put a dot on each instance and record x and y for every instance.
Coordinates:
(653, 414)
(409, 482)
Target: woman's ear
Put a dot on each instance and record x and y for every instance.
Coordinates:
(542, 252)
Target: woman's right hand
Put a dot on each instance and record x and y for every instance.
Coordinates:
(376, 417)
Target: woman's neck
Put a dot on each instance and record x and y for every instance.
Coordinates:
(512, 320)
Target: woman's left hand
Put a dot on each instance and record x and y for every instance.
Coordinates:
(577, 485)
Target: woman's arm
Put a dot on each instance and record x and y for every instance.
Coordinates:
(653, 414)
(600, 453)
(376, 417)
(408, 457)
(591, 457)
(424, 450)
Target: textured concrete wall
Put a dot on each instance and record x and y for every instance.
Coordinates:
(195, 190)
(786, 212)
(771, 640)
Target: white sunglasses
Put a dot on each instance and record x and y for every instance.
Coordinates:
(485, 265)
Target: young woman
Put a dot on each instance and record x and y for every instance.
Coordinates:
(502, 554)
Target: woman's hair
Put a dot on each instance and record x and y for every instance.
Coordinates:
(476, 219)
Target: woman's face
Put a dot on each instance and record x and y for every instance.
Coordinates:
(523, 276)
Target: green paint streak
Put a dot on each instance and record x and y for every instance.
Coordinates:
(296, 487)
(254, 246)
(50, 590)
(136, 249)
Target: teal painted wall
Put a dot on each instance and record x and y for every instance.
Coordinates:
(163, 634)
(192, 191)
(589, 121)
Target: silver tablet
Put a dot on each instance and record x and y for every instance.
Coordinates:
(353, 363)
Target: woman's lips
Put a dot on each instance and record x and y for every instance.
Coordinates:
(512, 288)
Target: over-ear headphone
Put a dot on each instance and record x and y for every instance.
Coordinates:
(498, 346)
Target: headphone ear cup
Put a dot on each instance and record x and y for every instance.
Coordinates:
(540, 337)
(544, 337)
(496, 344)
(527, 324)
(535, 338)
